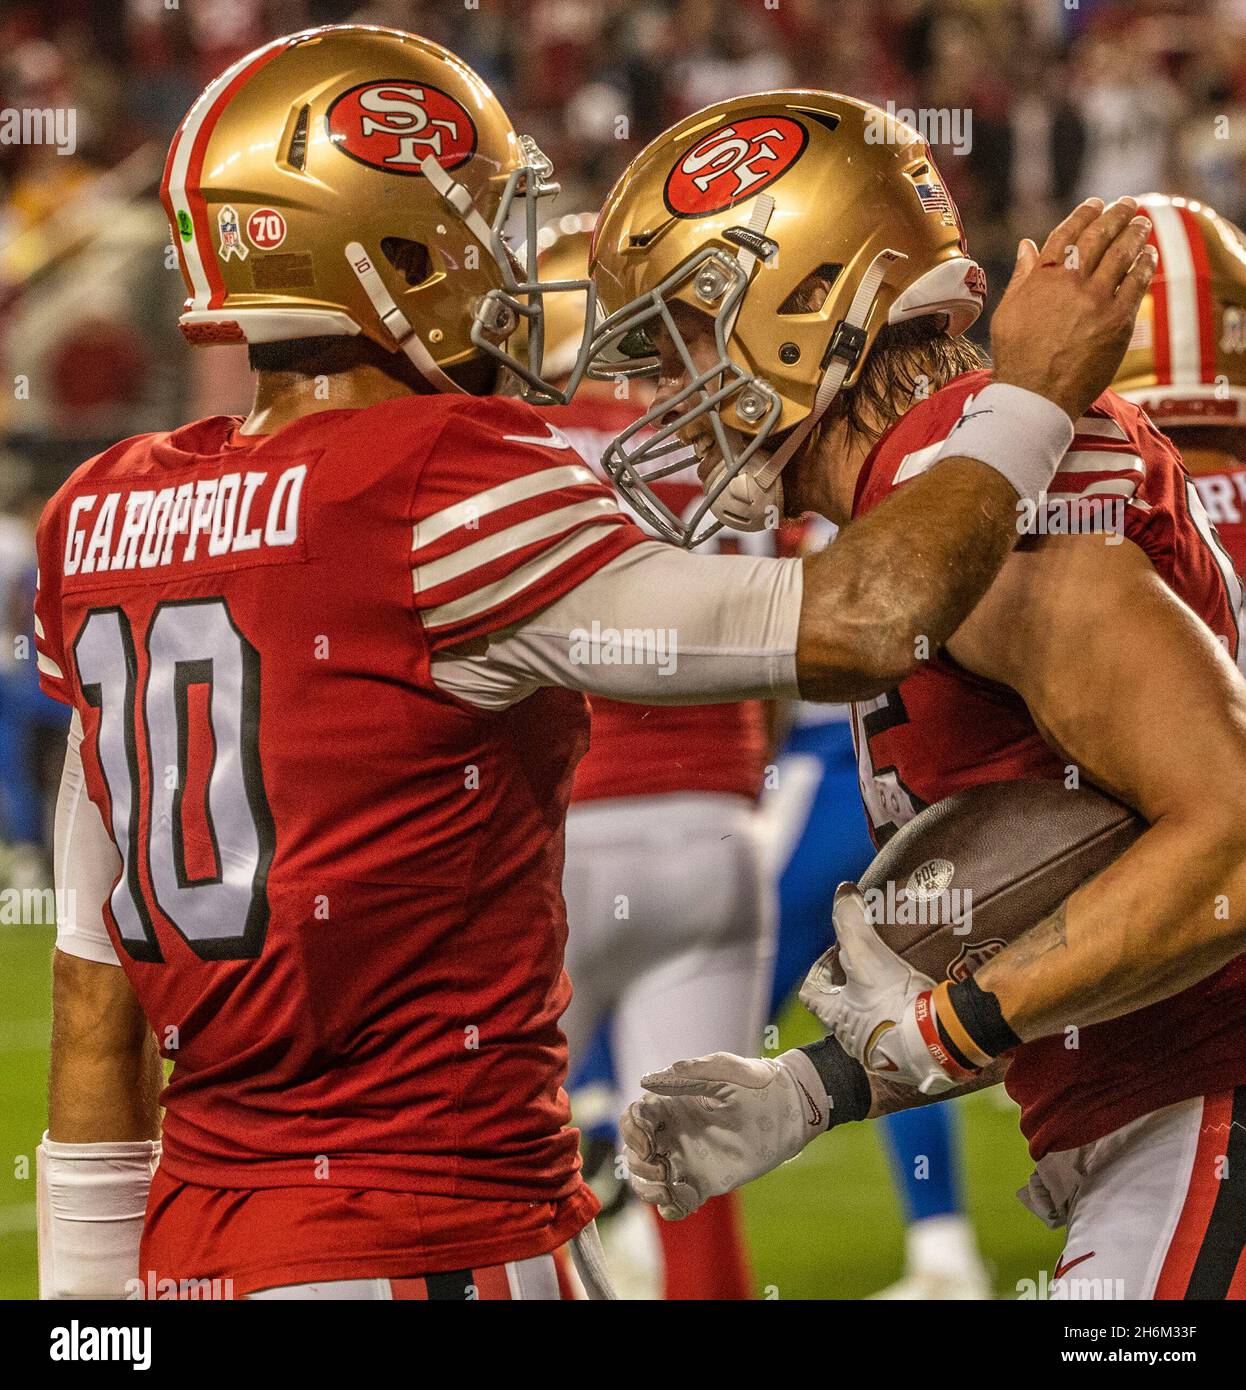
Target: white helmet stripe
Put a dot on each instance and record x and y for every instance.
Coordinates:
(1181, 291)
(194, 132)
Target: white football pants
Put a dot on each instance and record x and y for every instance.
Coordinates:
(1154, 1210)
(670, 929)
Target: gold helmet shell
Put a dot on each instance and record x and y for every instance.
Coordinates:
(736, 211)
(562, 256)
(300, 169)
(1186, 363)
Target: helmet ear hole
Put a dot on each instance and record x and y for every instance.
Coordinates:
(810, 295)
(411, 259)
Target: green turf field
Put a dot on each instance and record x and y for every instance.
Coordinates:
(825, 1226)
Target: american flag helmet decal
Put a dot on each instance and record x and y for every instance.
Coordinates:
(932, 194)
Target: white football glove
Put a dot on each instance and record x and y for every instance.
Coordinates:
(877, 1014)
(714, 1123)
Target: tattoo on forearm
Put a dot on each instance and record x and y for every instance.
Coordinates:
(1051, 934)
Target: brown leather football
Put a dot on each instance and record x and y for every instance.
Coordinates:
(966, 876)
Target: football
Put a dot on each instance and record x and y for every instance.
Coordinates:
(966, 876)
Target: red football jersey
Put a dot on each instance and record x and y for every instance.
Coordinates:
(945, 729)
(651, 750)
(341, 899)
(1223, 494)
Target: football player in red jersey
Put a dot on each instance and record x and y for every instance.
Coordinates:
(665, 963)
(1120, 1022)
(327, 705)
(1186, 364)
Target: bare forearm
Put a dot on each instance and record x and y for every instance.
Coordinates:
(1159, 920)
(105, 1075)
(97, 1098)
(897, 583)
(888, 1097)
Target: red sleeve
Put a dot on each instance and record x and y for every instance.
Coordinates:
(49, 631)
(1104, 461)
(508, 518)
(1103, 464)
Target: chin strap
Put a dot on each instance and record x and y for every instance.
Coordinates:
(459, 199)
(763, 211)
(396, 322)
(844, 351)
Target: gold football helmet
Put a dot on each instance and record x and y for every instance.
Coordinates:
(737, 211)
(1186, 363)
(353, 179)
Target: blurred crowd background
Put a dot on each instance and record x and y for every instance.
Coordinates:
(1066, 98)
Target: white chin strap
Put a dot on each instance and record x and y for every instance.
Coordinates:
(457, 197)
(744, 503)
(395, 321)
(748, 501)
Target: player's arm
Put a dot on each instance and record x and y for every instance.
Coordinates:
(1148, 707)
(888, 1097)
(903, 577)
(852, 620)
(1152, 709)
(105, 1070)
(96, 1160)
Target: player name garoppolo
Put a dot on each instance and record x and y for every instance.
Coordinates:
(145, 528)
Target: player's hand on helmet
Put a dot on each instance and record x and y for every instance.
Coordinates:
(874, 1002)
(714, 1123)
(1067, 315)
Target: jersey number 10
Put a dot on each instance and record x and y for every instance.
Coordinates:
(223, 915)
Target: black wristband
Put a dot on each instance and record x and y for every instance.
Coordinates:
(979, 1014)
(846, 1081)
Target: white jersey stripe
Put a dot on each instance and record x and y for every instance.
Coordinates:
(917, 462)
(1099, 461)
(1099, 428)
(534, 1279)
(38, 627)
(1106, 487)
(48, 666)
(481, 600)
(1177, 268)
(506, 542)
(471, 509)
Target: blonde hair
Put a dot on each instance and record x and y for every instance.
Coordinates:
(908, 362)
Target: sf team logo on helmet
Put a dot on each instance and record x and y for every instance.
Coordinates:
(732, 163)
(395, 125)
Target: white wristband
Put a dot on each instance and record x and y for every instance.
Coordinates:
(1019, 433)
(91, 1202)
